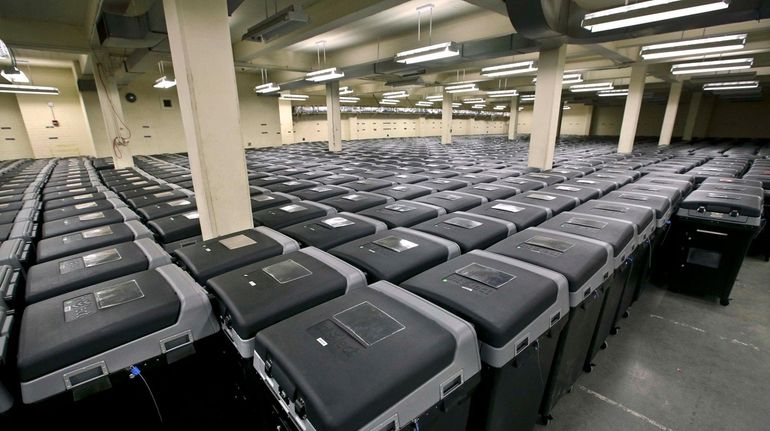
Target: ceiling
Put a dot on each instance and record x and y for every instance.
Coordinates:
(54, 33)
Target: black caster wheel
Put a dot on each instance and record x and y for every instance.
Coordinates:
(615, 330)
(724, 302)
(605, 345)
(588, 368)
(626, 314)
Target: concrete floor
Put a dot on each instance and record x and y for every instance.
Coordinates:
(681, 363)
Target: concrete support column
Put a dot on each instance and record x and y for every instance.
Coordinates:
(589, 119)
(547, 111)
(334, 116)
(446, 119)
(286, 120)
(199, 35)
(513, 120)
(692, 115)
(669, 118)
(112, 113)
(633, 107)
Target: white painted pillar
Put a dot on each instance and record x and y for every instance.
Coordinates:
(588, 120)
(334, 116)
(446, 119)
(547, 110)
(286, 120)
(199, 35)
(692, 115)
(513, 120)
(633, 107)
(669, 118)
(112, 113)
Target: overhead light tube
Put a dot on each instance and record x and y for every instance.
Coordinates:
(646, 12)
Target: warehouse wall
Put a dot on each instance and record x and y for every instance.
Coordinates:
(14, 142)
(73, 136)
(313, 128)
(156, 128)
(740, 119)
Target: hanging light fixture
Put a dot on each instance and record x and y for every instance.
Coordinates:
(28, 89)
(395, 94)
(348, 99)
(734, 85)
(527, 98)
(297, 97)
(502, 93)
(566, 108)
(345, 90)
(266, 87)
(389, 102)
(323, 74)
(646, 12)
(499, 107)
(509, 69)
(568, 78)
(694, 47)
(14, 75)
(595, 86)
(432, 51)
(473, 100)
(479, 106)
(435, 98)
(457, 105)
(712, 66)
(617, 92)
(461, 88)
(164, 82)
(424, 103)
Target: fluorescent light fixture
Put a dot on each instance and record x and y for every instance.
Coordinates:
(527, 98)
(28, 89)
(712, 66)
(595, 86)
(568, 78)
(509, 69)
(164, 82)
(478, 106)
(461, 88)
(435, 98)
(428, 53)
(388, 102)
(521, 108)
(502, 93)
(473, 100)
(457, 105)
(499, 107)
(300, 97)
(423, 103)
(345, 90)
(617, 92)
(4, 51)
(278, 24)
(694, 47)
(14, 75)
(267, 88)
(646, 12)
(349, 99)
(395, 94)
(566, 108)
(735, 85)
(324, 75)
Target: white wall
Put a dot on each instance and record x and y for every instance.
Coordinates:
(73, 136)
(313, 128)
(14, 143)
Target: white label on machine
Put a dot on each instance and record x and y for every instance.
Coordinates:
(509, 208)
(85, 205)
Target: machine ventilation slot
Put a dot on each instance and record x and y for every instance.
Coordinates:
(555, 318)
(84, 375)
(175, 342)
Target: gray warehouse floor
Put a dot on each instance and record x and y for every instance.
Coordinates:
(681, 363)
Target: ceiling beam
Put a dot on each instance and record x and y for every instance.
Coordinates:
(47, 36)
(324, 16)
